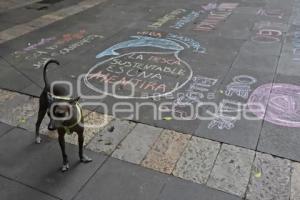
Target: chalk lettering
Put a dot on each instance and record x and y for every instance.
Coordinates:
(186, 19)
(166, 18)
(223, 11)
(150, 34)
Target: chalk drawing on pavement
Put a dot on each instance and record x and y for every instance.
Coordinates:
(241, 86)
(155, 73)
(280, 104)
(226, 116)
(142, 41)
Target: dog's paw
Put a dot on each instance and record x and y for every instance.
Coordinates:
(65, 168)
(85, 159)
(38, 140)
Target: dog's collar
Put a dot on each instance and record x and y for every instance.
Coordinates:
(66, 98)
(79, 117)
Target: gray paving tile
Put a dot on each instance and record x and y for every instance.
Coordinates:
(237, 125)
(4, 128)
(270, 178)
(255, 62)
(11, 79)
(288, 66)
(32, 90)
(15, 191)
(166, 151)
(108, 140)
(11, 107)
(136, 145)
(197, 160)
(39, 165)
(279, 134)
(237, 26)
(295, 181)
(232, 170)
(118, 180)
(177, 189)
(280, 141)
(272, 49)
(33, 11)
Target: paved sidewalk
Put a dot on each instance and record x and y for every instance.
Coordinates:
(134, 161)
(236, 54)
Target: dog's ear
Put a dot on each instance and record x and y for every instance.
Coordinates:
(74, 100)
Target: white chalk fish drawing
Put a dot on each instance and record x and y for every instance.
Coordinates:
(142, 41)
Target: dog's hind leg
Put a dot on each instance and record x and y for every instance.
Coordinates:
(41, 114)
(83, 158)
(61, 140)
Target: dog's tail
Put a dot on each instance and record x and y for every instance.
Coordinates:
(47, 86)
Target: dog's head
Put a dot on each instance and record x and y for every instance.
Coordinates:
(62, 110)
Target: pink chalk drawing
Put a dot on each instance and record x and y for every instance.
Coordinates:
(279, 104)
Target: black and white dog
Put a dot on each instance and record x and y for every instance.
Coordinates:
(65, 116)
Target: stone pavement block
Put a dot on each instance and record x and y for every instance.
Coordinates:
(13, 107)
(32, 90)
(65, 12)
(15, 32)
(51, 17)
(15, 191)
(166, 151)
(237, 26)
(90, 3)
(118, 180)
(41, 22)
(262, 63)
(6, 96)
(232, 170)
(136, 145)
(295, 181)
(28, 114)
(93, 122)
(267, 49)
(279, 140)
(177, 189)
(236, 129)
(38, 166)
(4, 128)
(9, 4)
(10, 78)
(197, 160)
(108, 140)
(270, 178)
(288, 66)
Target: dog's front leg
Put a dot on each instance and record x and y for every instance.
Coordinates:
(61, 140)
(41, 115)
(83, 158)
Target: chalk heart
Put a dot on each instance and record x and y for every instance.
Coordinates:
(278, 104)
(139, 75)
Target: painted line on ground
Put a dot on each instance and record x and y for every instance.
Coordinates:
(7, 7)
(45, 20)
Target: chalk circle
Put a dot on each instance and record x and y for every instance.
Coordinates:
(172, 82)
(280, 104)
(244, 79)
